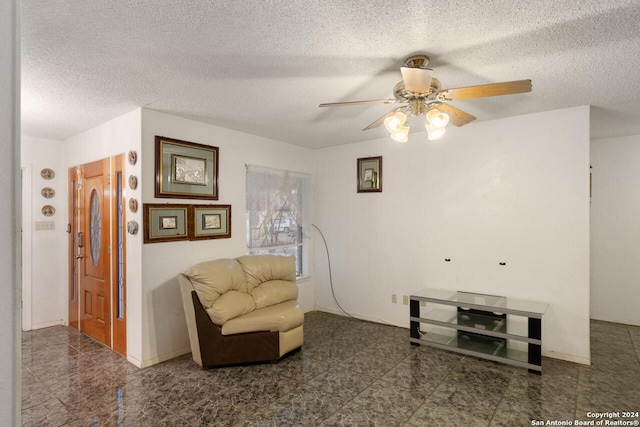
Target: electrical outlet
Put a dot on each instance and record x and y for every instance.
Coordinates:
(405, 299)
(394, 298)
(45, 225)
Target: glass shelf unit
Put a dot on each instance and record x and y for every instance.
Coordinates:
(487, 326)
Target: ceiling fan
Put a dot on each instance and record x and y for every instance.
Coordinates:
(420, 91)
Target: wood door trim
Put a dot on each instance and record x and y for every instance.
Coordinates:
(73, 229)
(119, 325)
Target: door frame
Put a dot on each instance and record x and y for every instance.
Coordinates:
(27, 215)
(72, 227)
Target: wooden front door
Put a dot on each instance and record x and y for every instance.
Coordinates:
(97, 253)
(94, 266)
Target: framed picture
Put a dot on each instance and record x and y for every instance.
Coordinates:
(169, 222)
(186, 170)
(210, 222)
(370, 175)
(165, 223)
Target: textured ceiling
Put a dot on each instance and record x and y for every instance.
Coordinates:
(262, 67)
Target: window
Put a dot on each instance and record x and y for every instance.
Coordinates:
(277, 206)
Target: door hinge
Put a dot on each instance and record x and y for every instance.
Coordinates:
(109, 248)
(109, 179)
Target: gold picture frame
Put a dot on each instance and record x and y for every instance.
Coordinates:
(186, 170)
(210, 222)
(370, 174)
(166, 222)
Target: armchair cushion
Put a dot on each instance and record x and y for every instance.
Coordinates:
(276, 318)
(229, 305)
(274, 292)
(211, 279)
(263, 268)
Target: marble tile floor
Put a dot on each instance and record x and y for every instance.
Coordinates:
(349, 373)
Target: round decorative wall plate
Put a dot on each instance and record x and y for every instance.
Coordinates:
(133, 157)
(132, 227)
(133, 182)
(133, 205)
(48, 210)
(48, 192)
(47, 173)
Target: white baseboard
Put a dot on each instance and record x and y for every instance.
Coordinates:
(360, 317)
(134, 361)
(47, 324)
(566, 357)
(621, 321)
(159, 359)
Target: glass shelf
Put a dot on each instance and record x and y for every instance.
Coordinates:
(485, 347)
(482, 302)
(474, 322)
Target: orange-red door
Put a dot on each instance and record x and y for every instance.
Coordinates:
(93, 244)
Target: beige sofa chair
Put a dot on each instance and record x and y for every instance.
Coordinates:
(242, 310)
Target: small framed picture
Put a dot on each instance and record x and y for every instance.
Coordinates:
(185, 169)
(370, 175)
(211, 222)
(165, 222)
(168, 222)
(189, 170)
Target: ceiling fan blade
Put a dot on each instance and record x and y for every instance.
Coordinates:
(417, 80)
(483, 91)
(456, 116)
(347, 103)
(379, 121)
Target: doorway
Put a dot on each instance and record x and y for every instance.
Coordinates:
(97, 297)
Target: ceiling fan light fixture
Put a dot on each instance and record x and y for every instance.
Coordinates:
(437, 118)
(434, 132)
(401, 134)
(395, 121)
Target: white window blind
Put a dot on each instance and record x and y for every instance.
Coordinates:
(277, 210)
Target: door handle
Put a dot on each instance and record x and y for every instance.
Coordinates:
(79, 256)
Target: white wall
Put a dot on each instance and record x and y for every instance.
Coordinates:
(45, 281)
(615, 230)
(9, 211)
(512, 190)
(163, 324)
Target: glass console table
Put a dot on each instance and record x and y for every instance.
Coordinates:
(491, 327)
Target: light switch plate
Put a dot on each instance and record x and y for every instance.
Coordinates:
(45, 225)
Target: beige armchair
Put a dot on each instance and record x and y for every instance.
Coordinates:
(242, 310)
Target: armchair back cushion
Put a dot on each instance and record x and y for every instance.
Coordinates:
(221, 288)
(231, 304)
(271, 279)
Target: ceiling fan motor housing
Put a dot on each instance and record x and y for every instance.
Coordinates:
(417, 61)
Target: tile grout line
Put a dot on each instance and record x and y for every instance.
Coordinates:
(633, 345)
(495, 409)
(426, 400)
